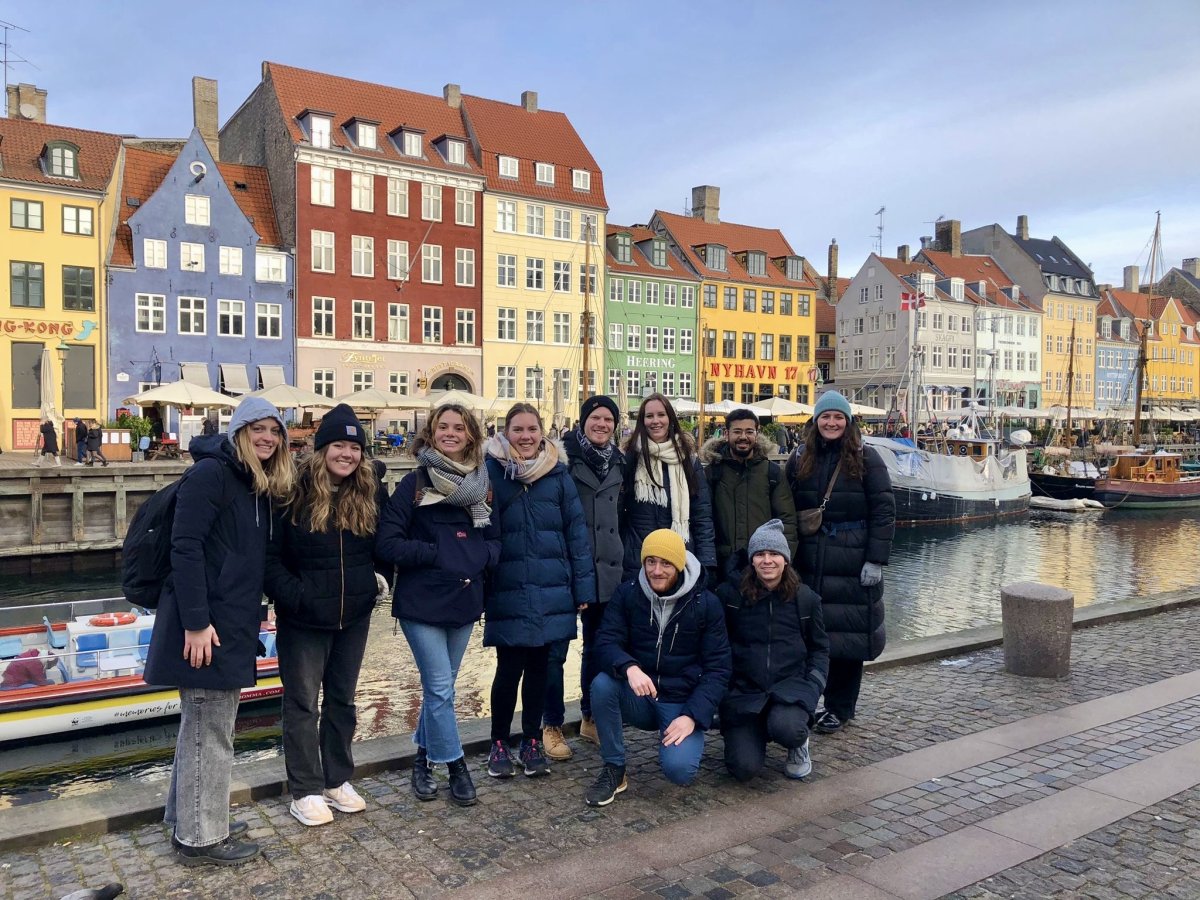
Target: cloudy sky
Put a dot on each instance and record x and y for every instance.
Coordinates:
(809, 116)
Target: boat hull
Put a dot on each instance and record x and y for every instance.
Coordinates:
(1116, 493)
(927, 507)
(1062, 487)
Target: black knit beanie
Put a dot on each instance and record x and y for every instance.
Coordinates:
(340, 424)
(591, 404)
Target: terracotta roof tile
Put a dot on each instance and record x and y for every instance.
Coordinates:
(690, 233)
(641, 256)
(22, 144)
(826, 315)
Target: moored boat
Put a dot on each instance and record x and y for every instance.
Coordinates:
(1144, 481)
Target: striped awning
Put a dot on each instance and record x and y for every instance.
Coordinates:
(234, 379)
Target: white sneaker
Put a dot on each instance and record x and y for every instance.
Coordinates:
(345, 799)
(311, 810)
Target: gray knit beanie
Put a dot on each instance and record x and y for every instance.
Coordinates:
(769, 536)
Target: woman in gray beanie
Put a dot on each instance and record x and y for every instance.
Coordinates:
(780, 659)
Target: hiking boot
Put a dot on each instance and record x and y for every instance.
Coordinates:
(587, 730)
(345, 798)
(610, 782)
(799, 762)
(311, 810)
(554, 744)
(500, 764)
(424, 785)
(462, 789)
(533, 758)
(226, 853)
(828, 723)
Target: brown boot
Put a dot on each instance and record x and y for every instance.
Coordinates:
(587, 730)
(554, 745)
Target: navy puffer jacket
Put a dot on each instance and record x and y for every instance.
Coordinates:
(642, 517)
(545, 571)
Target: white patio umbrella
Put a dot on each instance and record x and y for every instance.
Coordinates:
(686, 407)
(287, 396)
(182, 394)
(461, 398)
(781, 406)
(49, 405)
(375, 399)
(727, 406)
(860, 409)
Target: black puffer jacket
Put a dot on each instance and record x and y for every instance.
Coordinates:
(858, 526)
(602, 500)
(780, 650)
(323, 580)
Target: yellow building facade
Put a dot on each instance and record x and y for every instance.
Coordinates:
(1059, 313)
(1171, 359)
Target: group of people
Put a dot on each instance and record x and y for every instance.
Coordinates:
(711, 583)
(89, 443)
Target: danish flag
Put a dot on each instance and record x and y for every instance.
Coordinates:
(911, 301)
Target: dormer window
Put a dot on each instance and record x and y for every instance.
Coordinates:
(714, 257)
(367, 136)
(509, 167)
(926, 285)
(581, 179)
(1124, 329)
(659, 253)
(1068, 286)
(957, 286)
(62, 160)
(793, 268)
(318, 131)
(545, 173)
(1081, 287)
(1105, 327)
(456, 153)
(411, 143)
(624, 248)
(756, 262)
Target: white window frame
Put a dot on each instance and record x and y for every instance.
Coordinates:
(506, 216)
(194, 312)
(77, 220)
(431, 325)
(464, 267)
(322, 316)
(561, 333)
(544, 173)
(633, 337)
(319, 131)
(464, 327)
(535, 326)
(397, 196)
(229, 260)
(431, 202)
(322, 243)
(197, 210)
(270, 266)
(399, 267)
(321, 189)
(581, 179)
(535, 273)
(561, 281)
(362, 320)
(412, 143)
(616, 336)
(398, 324)
(506, 270)
(506, 382)
(362, 191)
(456, 153)
(464, 207)
(272, 315)
(535, 219)
(191, 256)
(323, 382)
(506, 323)
(235, 312)
(367, 136)
(508, 167)
(154, 253)
(562, 223)
(362, 256)
(431, 264)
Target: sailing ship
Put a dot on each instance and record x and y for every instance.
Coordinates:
(1148, 481)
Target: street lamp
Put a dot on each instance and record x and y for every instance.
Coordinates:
(62, 350)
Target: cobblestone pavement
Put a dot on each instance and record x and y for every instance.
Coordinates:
(402, 848)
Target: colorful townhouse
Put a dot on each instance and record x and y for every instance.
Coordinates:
(1182, 281)
(1171, 342)
(199, 279)
(756, 307)
(1062, 286)
(651, 319)
(543, 229)
(380, 192)
(58, 201)
(1118, 337)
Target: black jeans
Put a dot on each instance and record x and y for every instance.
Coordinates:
(311, 660)
(590, 617)
(746, 737)
(841, 690)
(524, 666)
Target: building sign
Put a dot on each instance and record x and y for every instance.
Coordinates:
(649, 362)
(363, 360)
(749, 370)
(33, 327)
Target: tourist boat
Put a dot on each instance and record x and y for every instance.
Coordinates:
(1148, 481)
(96, 679)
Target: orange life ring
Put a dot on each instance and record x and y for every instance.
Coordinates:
(1150, 477)
(107, 620)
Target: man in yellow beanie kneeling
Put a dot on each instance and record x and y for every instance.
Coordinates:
(664, 662)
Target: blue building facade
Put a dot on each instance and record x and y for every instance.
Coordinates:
(199, 286)
(1116, 357)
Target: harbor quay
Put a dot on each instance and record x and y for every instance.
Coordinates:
(956, 779)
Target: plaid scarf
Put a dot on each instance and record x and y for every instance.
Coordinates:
(456, 484)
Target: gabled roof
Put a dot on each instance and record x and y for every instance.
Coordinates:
(145, 171)
(298, 90)
(22, 144)
(904, 270)
(968, 267)
(690, 232)
(506, 129)
(642, 254)
(1186, 276)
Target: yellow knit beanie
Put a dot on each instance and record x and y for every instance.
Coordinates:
(665, 544)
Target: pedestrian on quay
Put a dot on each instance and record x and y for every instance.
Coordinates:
(545, 575)
(843, 559)
(664, 660)
(47, 444)
(205, 636)
(438, 532)
(324, 582)
(95, 444)
(597, 467)
(665, 486)
(81, 431)
(780, 659)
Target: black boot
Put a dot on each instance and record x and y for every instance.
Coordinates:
(462, 789)
(424, 785)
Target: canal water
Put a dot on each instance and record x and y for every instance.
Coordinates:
(939, 580)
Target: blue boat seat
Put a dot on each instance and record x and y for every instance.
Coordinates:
(85, 647)
(268, 642)
(143, 643)
(66, 676)
(11, 647)
(56, 639)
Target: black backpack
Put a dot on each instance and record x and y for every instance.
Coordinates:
(146, 550)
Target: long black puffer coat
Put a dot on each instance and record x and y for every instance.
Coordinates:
(857, 527)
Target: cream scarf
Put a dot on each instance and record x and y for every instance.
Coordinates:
(646, 488)
(526, 471)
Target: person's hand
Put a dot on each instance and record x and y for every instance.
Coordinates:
(382, 587)
(872, 574)
(582, 606)
(678, 730)
(198, 645)
(641, 683)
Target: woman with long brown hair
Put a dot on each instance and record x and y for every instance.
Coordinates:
(665, 486)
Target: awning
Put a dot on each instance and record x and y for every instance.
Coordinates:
(234, 379)
(270, 376)
(195, 373)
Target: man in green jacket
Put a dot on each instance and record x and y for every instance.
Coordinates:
(747, 489)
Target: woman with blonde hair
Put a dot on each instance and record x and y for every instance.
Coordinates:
(437, 531)
(205, 634)
(322, 578)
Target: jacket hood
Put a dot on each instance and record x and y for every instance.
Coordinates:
(215, 446)
(718, 448)
(692, 572)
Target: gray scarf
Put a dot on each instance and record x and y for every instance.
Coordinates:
(456, 484)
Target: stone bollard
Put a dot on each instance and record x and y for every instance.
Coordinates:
(1037, 629)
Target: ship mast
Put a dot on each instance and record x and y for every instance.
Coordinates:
(1146, 325)
(587, 308)
(1070, 383)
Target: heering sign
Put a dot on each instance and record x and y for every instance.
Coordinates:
(649, 362)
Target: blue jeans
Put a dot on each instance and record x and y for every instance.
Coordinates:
(438, 652)
(80, 450)
(555, 711)
(615, 703)
(198, 798)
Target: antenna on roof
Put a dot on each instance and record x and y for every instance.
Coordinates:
(6, 27)
(687, 209)
(879, 231)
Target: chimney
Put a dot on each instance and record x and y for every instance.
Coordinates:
(904, 253)
(204, 113)
(1132, 282)
(26, 101)
(926, 242)
(949, 236)
(831, 290)
(1192, 266)
(706, 203)
(452, 94)
(1023, 228)
(529, 100)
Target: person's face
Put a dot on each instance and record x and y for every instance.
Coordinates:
(742, 436)
(831, 424)
(341, 459)
(660, 573)
(450, 436)
(654, 416)
(265, 437)
(768, 566)
(525, 434)
(599, 426)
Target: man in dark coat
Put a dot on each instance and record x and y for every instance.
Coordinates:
(48, 444)
(665, 662)
(747, 488)
(80, 442)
